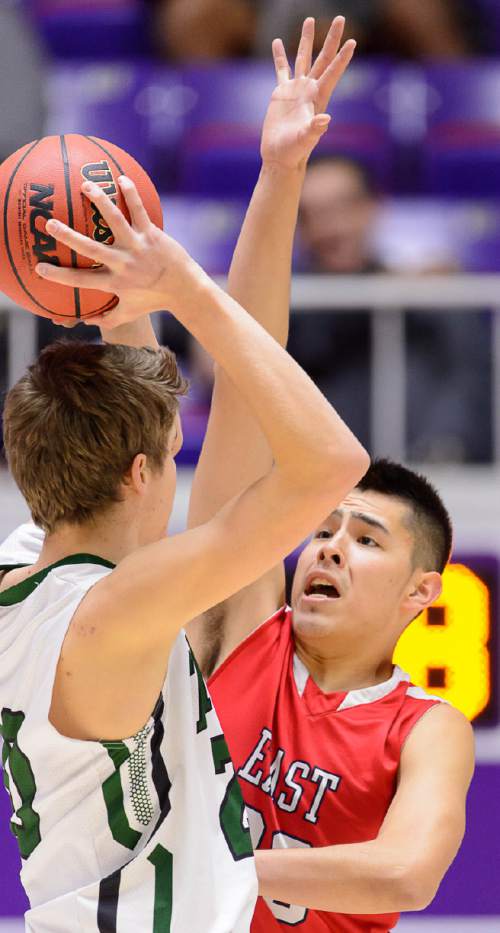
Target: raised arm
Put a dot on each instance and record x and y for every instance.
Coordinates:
(235, 452)
(403, 867)
(157, 589)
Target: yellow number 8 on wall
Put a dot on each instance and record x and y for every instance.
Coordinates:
(446, 650)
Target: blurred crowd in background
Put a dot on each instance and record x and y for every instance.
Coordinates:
(398, 28)
(407, 178)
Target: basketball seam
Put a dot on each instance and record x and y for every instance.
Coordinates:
(71, 219)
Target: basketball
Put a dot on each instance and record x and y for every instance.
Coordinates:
(43, 180)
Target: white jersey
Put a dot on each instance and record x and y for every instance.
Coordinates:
(145, 834)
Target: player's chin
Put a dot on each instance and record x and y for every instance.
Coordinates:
(316, 613)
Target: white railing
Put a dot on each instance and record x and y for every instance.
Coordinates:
(389, 296)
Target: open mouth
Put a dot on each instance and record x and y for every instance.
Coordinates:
(320, 588)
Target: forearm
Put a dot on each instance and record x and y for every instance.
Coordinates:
(235, 451)
(358, 878)
(259, 277)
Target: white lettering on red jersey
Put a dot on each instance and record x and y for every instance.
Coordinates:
(315, 769)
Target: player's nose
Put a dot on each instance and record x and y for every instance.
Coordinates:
(331, 550)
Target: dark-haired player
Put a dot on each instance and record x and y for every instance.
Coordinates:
(355, 778)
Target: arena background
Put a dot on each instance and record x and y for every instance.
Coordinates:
(427, 130)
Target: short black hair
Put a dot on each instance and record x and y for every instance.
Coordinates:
(430, 522)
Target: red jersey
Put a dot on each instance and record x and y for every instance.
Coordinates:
(315, 769)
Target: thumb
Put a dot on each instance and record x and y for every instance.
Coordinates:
(320, 123)
(316, 129)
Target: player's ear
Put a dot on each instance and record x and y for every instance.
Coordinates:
(136, 475)
(424, 589)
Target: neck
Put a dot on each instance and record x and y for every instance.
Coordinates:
(333, 671)
(112, 538)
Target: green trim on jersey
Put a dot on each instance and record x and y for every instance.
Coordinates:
(112, 791)
(25, 824)
(20, 591)
(163, 862)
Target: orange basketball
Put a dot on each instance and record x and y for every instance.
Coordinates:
(43, 180)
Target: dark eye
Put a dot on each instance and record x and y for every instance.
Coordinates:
(366, 541)
(323, 533)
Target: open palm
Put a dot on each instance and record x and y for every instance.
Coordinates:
(295, 120)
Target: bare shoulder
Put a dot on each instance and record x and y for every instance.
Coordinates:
(442, 718)
(443, 732)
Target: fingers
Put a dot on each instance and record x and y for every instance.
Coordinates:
(76, 278)
(280, 61)
(304, 53)
(137, 211)
(65, 321)
(330, 47)
(113, 216)
(331, 77)
(82, 244)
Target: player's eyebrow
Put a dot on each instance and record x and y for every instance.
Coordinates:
(362, 517)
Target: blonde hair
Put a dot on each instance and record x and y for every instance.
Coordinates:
(74, 423)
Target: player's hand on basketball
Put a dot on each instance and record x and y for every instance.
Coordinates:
(296, 118)
(146, 269)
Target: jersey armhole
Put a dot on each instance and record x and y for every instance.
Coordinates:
(246, 643)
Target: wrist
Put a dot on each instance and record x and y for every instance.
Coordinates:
(138, 333)
(277, 171)
(191, 292)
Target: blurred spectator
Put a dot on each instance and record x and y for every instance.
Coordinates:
(214, 29)
(188, 30)
(448, 356)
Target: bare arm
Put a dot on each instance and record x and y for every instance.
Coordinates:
(402, 868)
(138, 333)
(157, 589)
(235, 452)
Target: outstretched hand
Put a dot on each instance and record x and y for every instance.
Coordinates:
(296, 118)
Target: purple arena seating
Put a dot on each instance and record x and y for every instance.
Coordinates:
(360, 127)
(220, 152)
(99, 29)
(416, 233)
(461, 151)
(121, 102)
(207, 228)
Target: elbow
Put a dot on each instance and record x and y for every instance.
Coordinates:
(346, 465)
(414, 891)
(360, 461)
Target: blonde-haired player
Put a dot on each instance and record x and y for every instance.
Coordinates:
(126, 809)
